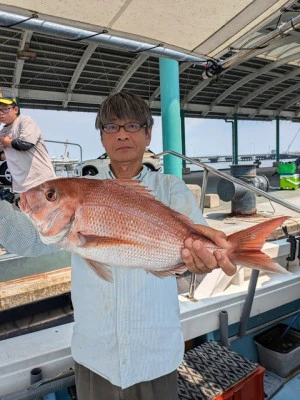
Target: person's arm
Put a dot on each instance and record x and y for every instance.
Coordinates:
(18, 235)
(17, 144)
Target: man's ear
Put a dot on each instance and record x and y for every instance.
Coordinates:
(148, 136)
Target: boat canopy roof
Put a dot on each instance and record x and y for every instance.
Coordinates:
(234, 56)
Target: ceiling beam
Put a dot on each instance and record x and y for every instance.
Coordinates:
(254, 75)
(80, 67)
(268, 86)
(199, 108)
(292, 101)
(280, 95)
(59, 96)
(26, 37)
(130, 71)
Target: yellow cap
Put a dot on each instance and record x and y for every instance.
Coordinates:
(6, 97)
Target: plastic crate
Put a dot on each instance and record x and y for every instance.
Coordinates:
(279, 354)
(289, 181)
(286, 168)
(213, 372)
(249, 388)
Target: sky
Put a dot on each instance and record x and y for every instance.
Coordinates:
(203, 136)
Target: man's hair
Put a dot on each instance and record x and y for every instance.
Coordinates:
(124, 106)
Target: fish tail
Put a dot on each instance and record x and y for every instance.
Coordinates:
(246, 246)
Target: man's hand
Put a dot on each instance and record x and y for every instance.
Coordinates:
(199, 260)
(5, 141)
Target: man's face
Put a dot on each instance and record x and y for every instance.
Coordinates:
(124, 146)
(8, 113)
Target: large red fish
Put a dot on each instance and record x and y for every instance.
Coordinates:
(118, 222)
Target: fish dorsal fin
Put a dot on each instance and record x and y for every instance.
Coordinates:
(100, 269)
(135, 185)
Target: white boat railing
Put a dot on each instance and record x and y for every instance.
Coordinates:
(65, 165)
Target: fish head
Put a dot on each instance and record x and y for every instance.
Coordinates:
(51, 206)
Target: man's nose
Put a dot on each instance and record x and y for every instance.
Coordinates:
(122, 133)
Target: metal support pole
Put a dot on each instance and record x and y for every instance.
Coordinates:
(277, 138)
(203, 191)
(182, 119)
(235, 139)
(232, 136)
(248, 303)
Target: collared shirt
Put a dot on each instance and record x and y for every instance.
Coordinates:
(129, 331)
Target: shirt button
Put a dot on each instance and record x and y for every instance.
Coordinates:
(123, 361)
(122, 301)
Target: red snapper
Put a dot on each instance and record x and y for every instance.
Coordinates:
(119, 222)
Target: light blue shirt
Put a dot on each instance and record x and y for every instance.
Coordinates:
(127, 331)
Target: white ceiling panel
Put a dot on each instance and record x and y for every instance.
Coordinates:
(198, 26)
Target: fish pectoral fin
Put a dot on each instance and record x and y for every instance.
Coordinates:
(103, 241)
(101, 270)
(180, 269)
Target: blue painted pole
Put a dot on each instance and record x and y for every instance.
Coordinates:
(170, 114)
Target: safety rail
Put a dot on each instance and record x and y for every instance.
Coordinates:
(66, 164)
(230, 178)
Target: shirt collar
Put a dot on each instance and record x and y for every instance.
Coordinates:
(139, 176)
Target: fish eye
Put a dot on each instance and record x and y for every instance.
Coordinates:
(51, 195)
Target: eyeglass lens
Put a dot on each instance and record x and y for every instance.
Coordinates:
(5, 110)
(130, 127)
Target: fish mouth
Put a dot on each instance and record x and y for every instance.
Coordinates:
(46, 226)
(45, 229)
(54, 239)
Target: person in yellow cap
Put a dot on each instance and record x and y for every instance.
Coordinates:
(22, 142)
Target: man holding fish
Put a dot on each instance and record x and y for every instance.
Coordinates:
(127, 340)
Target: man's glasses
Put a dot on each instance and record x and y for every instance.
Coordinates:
(130, 127)
(6, 110)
